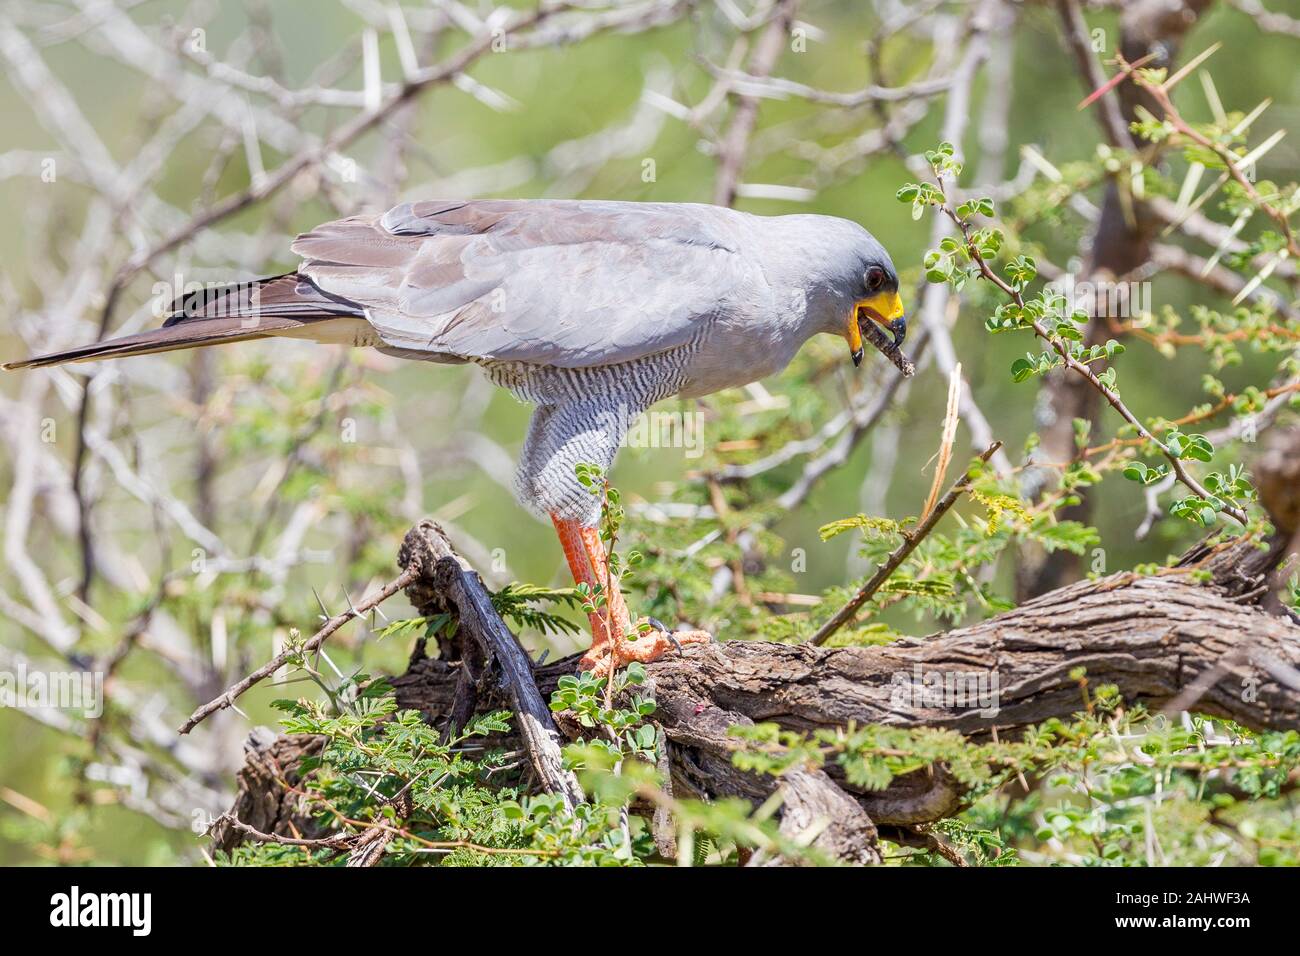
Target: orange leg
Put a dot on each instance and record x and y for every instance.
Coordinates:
(614, 642)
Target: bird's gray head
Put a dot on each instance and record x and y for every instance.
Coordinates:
(875, 297)
(848, 279)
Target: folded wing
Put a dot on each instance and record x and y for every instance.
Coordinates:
(564, 283)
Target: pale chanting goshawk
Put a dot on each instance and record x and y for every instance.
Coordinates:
(590, 310)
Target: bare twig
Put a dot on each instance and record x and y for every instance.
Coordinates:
(910, 540)
(228, 698)
(1076, 36)
(734, 145)
(1266, 19)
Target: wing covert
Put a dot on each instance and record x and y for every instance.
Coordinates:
(563, 283)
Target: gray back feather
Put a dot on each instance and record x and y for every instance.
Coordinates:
(569, 284)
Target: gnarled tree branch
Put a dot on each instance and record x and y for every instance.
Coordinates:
(1165, 639)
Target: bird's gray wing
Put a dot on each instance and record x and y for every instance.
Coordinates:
(564, 283)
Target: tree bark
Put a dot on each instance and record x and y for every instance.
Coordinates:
(1277, 476)
(263, 801)
(447, 581)
(1163, 639)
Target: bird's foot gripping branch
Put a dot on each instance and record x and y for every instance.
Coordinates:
(599, 572)
(759, 753)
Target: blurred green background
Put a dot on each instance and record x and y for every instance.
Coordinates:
(563, 94)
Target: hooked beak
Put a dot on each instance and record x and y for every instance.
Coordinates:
(884, 308)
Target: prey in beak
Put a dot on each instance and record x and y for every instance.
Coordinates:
(886, 309)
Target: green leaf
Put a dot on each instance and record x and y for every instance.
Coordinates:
(1021, 271)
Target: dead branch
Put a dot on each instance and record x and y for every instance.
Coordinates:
(265, 803)
(1161, 639)
(442, 575)
(735, 144)
(237, 689)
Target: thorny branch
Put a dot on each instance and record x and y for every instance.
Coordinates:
(1079, 368)
(1160, 92)
(236, 690)
(891, 564)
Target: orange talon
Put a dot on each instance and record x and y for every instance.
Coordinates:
(614, 643)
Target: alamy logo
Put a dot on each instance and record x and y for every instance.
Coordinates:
(1119, 300)
(963, 690)
(59, 690)
(656, 429)
(75, 908)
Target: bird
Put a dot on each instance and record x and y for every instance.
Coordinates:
(590, 310)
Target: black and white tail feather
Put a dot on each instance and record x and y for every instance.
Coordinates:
(289, 306)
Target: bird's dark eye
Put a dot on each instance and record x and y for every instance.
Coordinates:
(875, 278)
